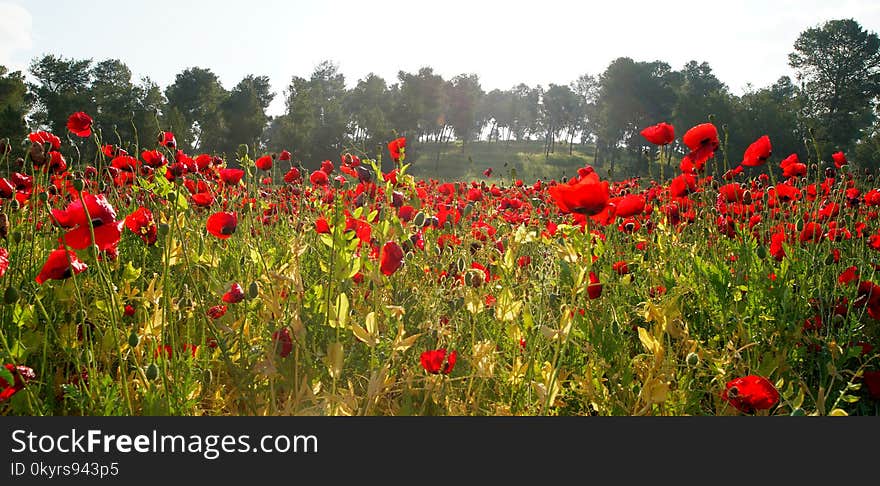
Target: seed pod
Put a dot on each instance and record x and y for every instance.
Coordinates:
(692, 359)
(152, 372)
(133, 339)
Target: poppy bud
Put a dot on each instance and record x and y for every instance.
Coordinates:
(133, 339)
(692, 359)
(460, 264)
(253, 290)
(762, 252)
(798, 412)
(78, 184)
(152, 372)
(207, 377)
(14, 204)
(43, 195)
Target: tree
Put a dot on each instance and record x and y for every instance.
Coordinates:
(244, 113)
(838, 66)
(116, 99)
(197, 95)
(463, 95)
(369, 105)
(15, 102)
(314, 125)
(632, 95)
(560, 112)
(62, 87)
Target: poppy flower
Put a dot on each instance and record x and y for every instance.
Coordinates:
(4, 261)
(153, 158)
(433, 361)
(791, 166)
(75, 214)
(231, 176)
(60, 264)
(659, 134)
(202, 199)
(391, 258)
(319, 178)
(222, 224)
(397, 148)
(847, 276)
(751, 393)
(57, 164)
(487, 172)
(264, 162)
(327, 167)
(234, 295)
(620, 267)
(106, 236)
(292, 176)
(217, 311)
(587, 196)
(21, 376)
(141, 223)
(285, 155)
(758, 152)
(702, 140)
(839, 159)
(629, 205)
(594, 289)
(322, 226)
(166, 139)
(80, 124)
(283, 342)
(45, 137)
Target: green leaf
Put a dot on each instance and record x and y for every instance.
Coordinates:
(6, 375)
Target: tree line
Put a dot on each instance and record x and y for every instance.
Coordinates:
(831, 105)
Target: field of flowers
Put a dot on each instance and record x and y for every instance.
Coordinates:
(149, 281)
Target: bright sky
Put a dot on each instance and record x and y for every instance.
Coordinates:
(505, 43)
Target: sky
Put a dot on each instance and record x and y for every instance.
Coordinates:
(504, 43)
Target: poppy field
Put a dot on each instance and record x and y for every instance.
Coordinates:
(149, 281)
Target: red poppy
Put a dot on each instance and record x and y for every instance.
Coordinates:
(702, 135)
(231, 176)
(391, 258)
(397, 148)
(327, 167)
(847, 276)
(292, 176)
(99, 212)
(217, 311)
(283, 342)
(621, 267)
(264, 162)
(587, 196)
(21, 376)
(166, 348)
(791, 166)
(202, 199)
(60, 264)
(80, 124)
(629, 205)
(153, 158)
(45, 137)
(433, 361)
(751, 393)
(222, 224)
(4, 261)
(487, 172)
(839, 159)
(594, 289)
(319, 178)
(659, 134)
(322, 226)
(57, 164)
(285, 155)
(106, 236)
(758, 152)
(234, 295)
(141, 223)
